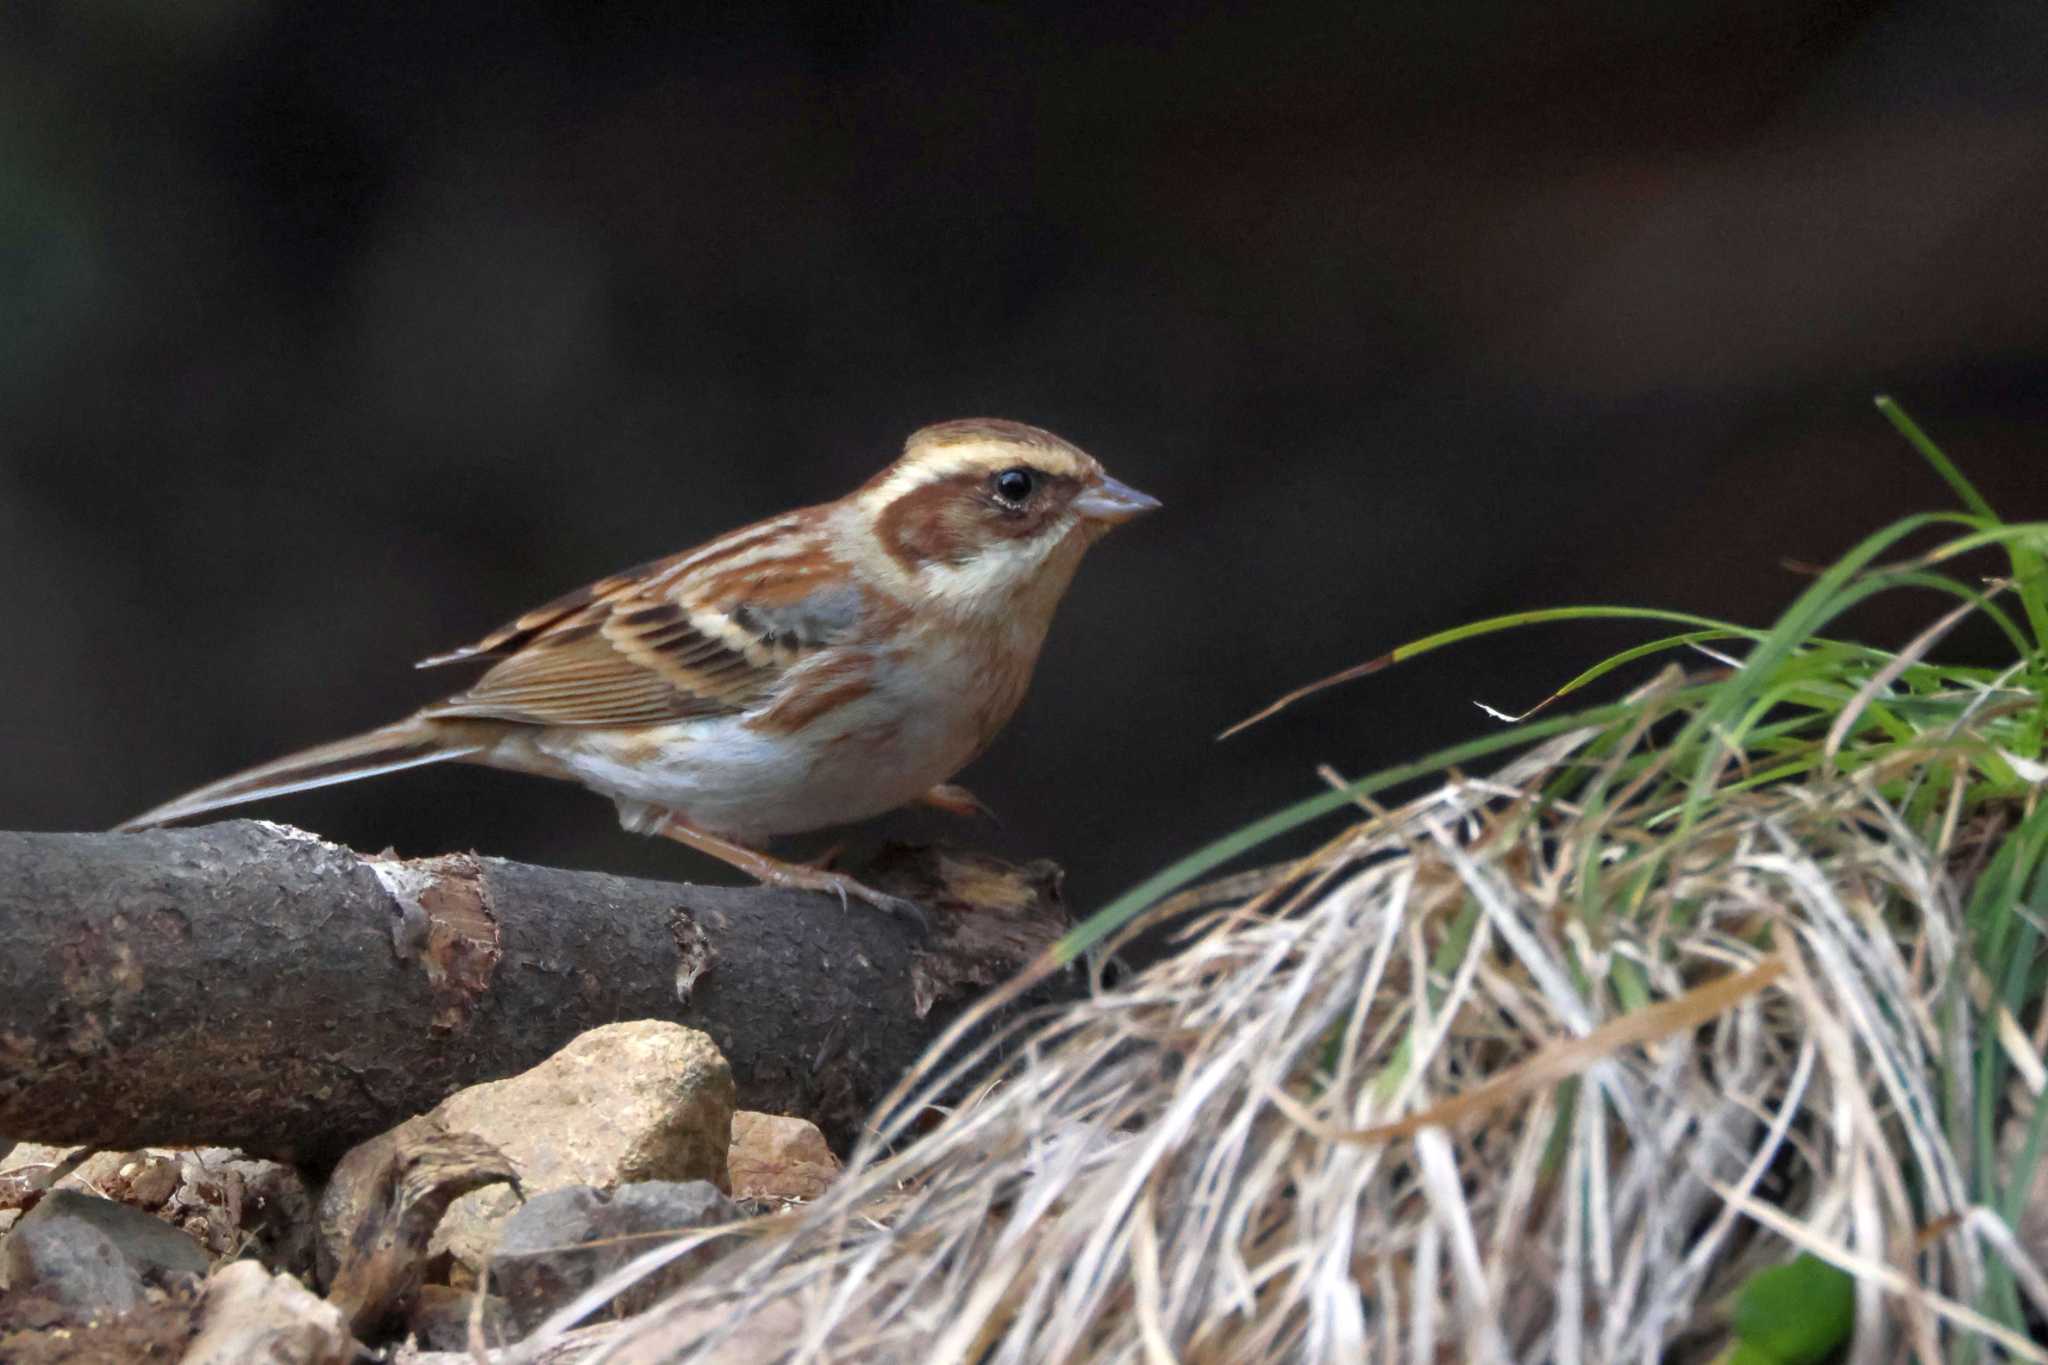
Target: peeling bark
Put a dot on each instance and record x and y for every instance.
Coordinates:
(248, 985)
(400, 1202)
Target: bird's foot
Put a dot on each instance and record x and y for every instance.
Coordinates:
(772, 871)
(801, 877)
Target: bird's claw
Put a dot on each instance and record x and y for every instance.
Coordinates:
(895, 906)
(900, 908)
(957, 800)
(845, 887)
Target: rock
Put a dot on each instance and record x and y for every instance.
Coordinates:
(152, 1180)
(157, 1252)
(776, 1156)
(73, 1265)
(564, 1241)
(228, 1203)
(644, 1100)
(440, 1319)
(248, 1314)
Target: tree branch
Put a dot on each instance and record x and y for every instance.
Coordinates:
(249, 985)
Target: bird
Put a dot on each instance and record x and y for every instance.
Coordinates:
(817, 668)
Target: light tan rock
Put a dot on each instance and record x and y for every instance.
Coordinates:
(249, 1314)
(644, 1100)
(777, 1156)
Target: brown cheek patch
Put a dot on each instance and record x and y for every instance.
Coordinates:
(924, 526)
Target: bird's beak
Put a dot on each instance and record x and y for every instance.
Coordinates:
(1111, 502)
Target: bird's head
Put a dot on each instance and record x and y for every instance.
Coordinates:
(986, 515)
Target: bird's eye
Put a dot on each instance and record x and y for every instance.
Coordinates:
(1014, 485)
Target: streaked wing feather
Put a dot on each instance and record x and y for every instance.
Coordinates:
(516, 634)
(663, 648)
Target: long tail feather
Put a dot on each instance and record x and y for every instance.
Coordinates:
(408, 744)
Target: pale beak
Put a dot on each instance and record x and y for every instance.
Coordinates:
(1113, 502)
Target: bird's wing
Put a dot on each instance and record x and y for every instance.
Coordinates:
(708, 633)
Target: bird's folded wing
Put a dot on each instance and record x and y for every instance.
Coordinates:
(516, 633)
(652, 647)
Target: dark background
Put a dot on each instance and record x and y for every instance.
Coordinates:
(333, 334)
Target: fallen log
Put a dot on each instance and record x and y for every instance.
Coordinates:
(249, 985)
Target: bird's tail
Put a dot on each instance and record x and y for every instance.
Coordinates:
(408, 744)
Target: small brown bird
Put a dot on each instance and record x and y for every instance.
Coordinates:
(812, 669)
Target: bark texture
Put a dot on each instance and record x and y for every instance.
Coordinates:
(249, 985)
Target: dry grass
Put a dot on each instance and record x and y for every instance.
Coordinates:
(1540, 1066)
(1332, 1127)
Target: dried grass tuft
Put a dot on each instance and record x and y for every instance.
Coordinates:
(1539, 1066)
(1412, 1098)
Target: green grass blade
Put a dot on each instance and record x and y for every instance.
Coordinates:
(1210, 856)
(1932, 453)
(1472, 630)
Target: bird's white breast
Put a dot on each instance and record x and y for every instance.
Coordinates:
(730, 775)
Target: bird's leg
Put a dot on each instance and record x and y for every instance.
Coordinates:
(956, 800)
(773, 871)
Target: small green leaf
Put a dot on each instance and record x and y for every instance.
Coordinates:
(1796, 1313)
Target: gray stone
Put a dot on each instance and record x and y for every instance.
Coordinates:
(562, 1242)
(72, 1264)
(155, 1250)
(440, 1319)
(227, 1203)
